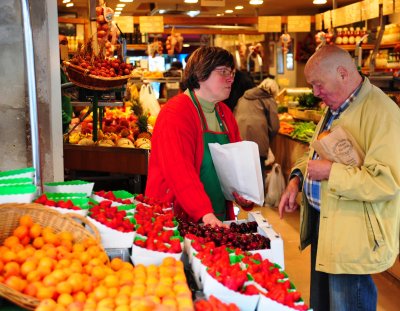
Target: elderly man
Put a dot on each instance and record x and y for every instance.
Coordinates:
(350, 215)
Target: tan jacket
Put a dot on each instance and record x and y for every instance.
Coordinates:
(360, 207)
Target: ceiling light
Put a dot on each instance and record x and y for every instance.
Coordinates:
(220, 14)
(239, 7)
(119, 9)
(161, 11)
(68, 5)
(228, 11)
(120, 5)
(319, 1)
(186, 45)
(256, 2)
(191, 1)
(66, 1)
(193, 13)
(126, 1)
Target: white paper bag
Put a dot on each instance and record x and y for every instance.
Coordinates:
(148, 99)
(238, 169)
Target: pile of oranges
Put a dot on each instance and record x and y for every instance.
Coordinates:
(65, 274)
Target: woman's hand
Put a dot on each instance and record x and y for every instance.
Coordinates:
(213, 221)
(247, 205)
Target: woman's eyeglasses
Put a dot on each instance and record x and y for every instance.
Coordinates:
(226, 73)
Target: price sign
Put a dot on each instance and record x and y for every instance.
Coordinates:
(369, 9)
(269, 24)
(348, 14)
(151, 24)
(212, 3)
(327, 19)
(396, 6)
(125, 23)
(318, 21)
(299, 23)
(388, 7)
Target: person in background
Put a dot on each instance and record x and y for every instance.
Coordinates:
(67, 111)
(181, 170)
(257, 117)
(242, 82)
(350, 215)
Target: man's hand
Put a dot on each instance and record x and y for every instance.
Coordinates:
(213, 221)
(319, 169)
(288, 199)
(247, 205)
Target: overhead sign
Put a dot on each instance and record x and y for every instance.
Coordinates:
(318, 21)
(299, 24)
(212, 3)
(151, 24)
(269, 24)
(348, 14)
(327, 19)
(125, 23)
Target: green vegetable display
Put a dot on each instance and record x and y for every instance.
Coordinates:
(303, 131)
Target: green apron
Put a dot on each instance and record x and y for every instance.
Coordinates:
(208, 175)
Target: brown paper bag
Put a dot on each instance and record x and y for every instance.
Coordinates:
(339, 146)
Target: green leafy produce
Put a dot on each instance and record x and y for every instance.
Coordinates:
(308, 101)
(303, 131)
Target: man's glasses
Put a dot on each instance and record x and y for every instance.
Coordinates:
(226, 73)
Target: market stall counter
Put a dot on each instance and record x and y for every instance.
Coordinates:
(131, 162)
(287, 150)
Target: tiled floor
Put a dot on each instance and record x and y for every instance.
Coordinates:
(297, 263)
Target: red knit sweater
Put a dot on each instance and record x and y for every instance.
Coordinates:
(176, 157)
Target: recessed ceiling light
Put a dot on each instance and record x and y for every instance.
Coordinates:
(239, 7)
(191, 1)
(220, 14)
(66, 1)
(193, 13)
(256, 2)
(126, 1)
(119, 9)
(161, 11)
(186, 45)
(228, 11)
(121, 5)
(68, 5)
(319, 1)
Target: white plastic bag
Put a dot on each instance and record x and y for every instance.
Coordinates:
(148, 99)
(275, 186)
(270, 158)
(238, 169)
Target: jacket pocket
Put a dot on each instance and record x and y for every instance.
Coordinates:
(373, 227)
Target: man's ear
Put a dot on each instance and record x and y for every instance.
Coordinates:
(342, 72)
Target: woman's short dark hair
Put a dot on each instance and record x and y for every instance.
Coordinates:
(202, 62)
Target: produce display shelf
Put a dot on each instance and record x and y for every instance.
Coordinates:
(106, 159)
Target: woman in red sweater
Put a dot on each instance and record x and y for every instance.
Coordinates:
(181, 170)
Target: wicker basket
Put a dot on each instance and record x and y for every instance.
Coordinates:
(9, 219)
(82, 78)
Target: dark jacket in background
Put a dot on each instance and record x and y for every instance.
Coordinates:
(257, 118)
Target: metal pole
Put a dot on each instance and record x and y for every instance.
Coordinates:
(30, 69)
